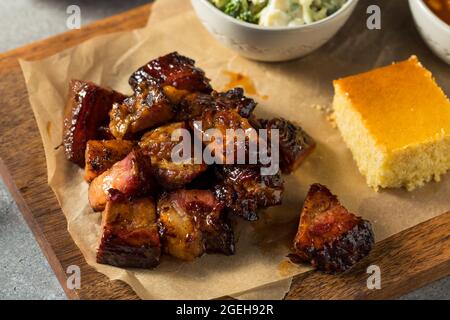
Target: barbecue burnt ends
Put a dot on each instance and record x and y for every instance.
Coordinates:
(130, 177)
(85, 114)
(147, 108)
(295, 145)
(152, 204)
(158, 145)
(192, 223)
(329, 237)
(236, 100)
(244, 191)
(130, 234)
(172, 70)
(224, 121)
(103, 154)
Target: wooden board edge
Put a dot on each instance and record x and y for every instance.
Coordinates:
(46, 248)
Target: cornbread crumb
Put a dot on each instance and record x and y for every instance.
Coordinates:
(331, 118)
(396, 122)
(328, 112)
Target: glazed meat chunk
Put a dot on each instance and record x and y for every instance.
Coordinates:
(102, 154)
(147, 108)
(194, 104)
(295, 144)
(243, 190)
(329, 237)
(192, 223)
(86, 112)
(235, 99)
(129, 177)
(172, 70)
(236, 141)
(130, 236)
(158, 145)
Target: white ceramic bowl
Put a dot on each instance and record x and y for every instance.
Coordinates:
(434, 31)
(270, 43)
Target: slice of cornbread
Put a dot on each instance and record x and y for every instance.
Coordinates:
(396, 122)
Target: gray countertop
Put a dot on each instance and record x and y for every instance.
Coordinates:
(25, 273)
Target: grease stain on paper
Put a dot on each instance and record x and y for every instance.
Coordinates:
(237, 79)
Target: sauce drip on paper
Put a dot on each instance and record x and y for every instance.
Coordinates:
(239, 80)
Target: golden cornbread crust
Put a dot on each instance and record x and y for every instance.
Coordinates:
(396, 122)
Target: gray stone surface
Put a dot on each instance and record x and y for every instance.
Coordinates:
(24, 271)
(24, 21)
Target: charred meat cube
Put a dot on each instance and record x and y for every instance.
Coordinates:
(243, 190)
(147, 108)
(130, 235)
(193, 105)
(294, 143)
(102, 154)
(173, 70)
(235, 99)
(329, 237)
(192, 223)
(85, 113)
(205, 181)
(169, 173)
(236, 138)
(129, 177)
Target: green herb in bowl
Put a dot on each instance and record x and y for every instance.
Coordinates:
(245, 10)
(279, 13)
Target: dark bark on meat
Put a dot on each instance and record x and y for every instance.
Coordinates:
(103, 154)
(223, 120)
(244, 191)
(295, 145)
(193, 105)
(236, 100)
(130, 235)
(173, 70)
(147, 108)
(86, 112)
(192, 223)
(130, 177)
(158, 145)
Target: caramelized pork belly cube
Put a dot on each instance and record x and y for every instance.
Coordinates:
(173, 70)
(158, 145)
(205, 181)
(224, 121)
(329, 237)
(147, 108)
(85, 113)
(192, 223)
(243, 190)
(128, 177)
(102, 154)
(130, 235)
(193, 105)
(294, 143)
(236, 100)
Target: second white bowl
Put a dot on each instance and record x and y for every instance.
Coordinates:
(433, 30)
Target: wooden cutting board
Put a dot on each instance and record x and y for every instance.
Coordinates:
(408, 260)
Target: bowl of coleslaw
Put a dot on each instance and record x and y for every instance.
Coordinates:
(273, 30)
